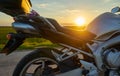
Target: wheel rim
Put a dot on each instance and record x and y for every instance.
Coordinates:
(40, 66)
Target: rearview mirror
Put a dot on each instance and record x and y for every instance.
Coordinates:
(115, 10)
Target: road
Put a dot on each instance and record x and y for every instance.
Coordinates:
(8, 62)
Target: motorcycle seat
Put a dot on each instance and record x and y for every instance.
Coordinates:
(83, 35)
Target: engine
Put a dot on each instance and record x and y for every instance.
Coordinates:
(112, 58)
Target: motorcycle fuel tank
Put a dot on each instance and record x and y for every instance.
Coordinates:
(104, 23)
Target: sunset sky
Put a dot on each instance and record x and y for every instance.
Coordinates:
(66, 11)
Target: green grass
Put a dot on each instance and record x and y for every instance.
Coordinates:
(32, 43)
(29, 43)
(3, 32)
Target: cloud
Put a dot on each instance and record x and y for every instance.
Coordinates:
(79, 11)
(42, 5)
(71, 11)
(106, 1)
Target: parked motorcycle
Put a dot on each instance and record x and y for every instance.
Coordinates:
(93, 52)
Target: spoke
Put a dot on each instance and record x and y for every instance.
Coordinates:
(43, 64)
(38, 66)
(37, 63)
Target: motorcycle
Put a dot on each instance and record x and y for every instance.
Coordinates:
(93, 52)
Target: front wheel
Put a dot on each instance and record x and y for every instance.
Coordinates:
(38, 63)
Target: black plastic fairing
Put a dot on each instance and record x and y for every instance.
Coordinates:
(15, 41)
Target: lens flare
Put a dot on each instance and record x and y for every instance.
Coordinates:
(80, 21)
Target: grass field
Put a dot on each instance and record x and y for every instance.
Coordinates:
(30, 43)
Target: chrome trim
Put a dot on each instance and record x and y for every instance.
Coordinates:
(24, 28)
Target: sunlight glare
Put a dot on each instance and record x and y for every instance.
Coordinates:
(80, 21)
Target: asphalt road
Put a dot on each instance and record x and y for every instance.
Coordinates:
(8, 62)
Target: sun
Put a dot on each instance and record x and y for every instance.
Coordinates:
(80, 21)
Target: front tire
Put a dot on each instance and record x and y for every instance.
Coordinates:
(38, 63)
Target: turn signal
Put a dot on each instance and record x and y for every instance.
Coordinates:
(9, 36)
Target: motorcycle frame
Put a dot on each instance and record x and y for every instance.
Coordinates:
(97, 51)
(62, 57)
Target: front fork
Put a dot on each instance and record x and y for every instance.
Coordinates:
(15, 40)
